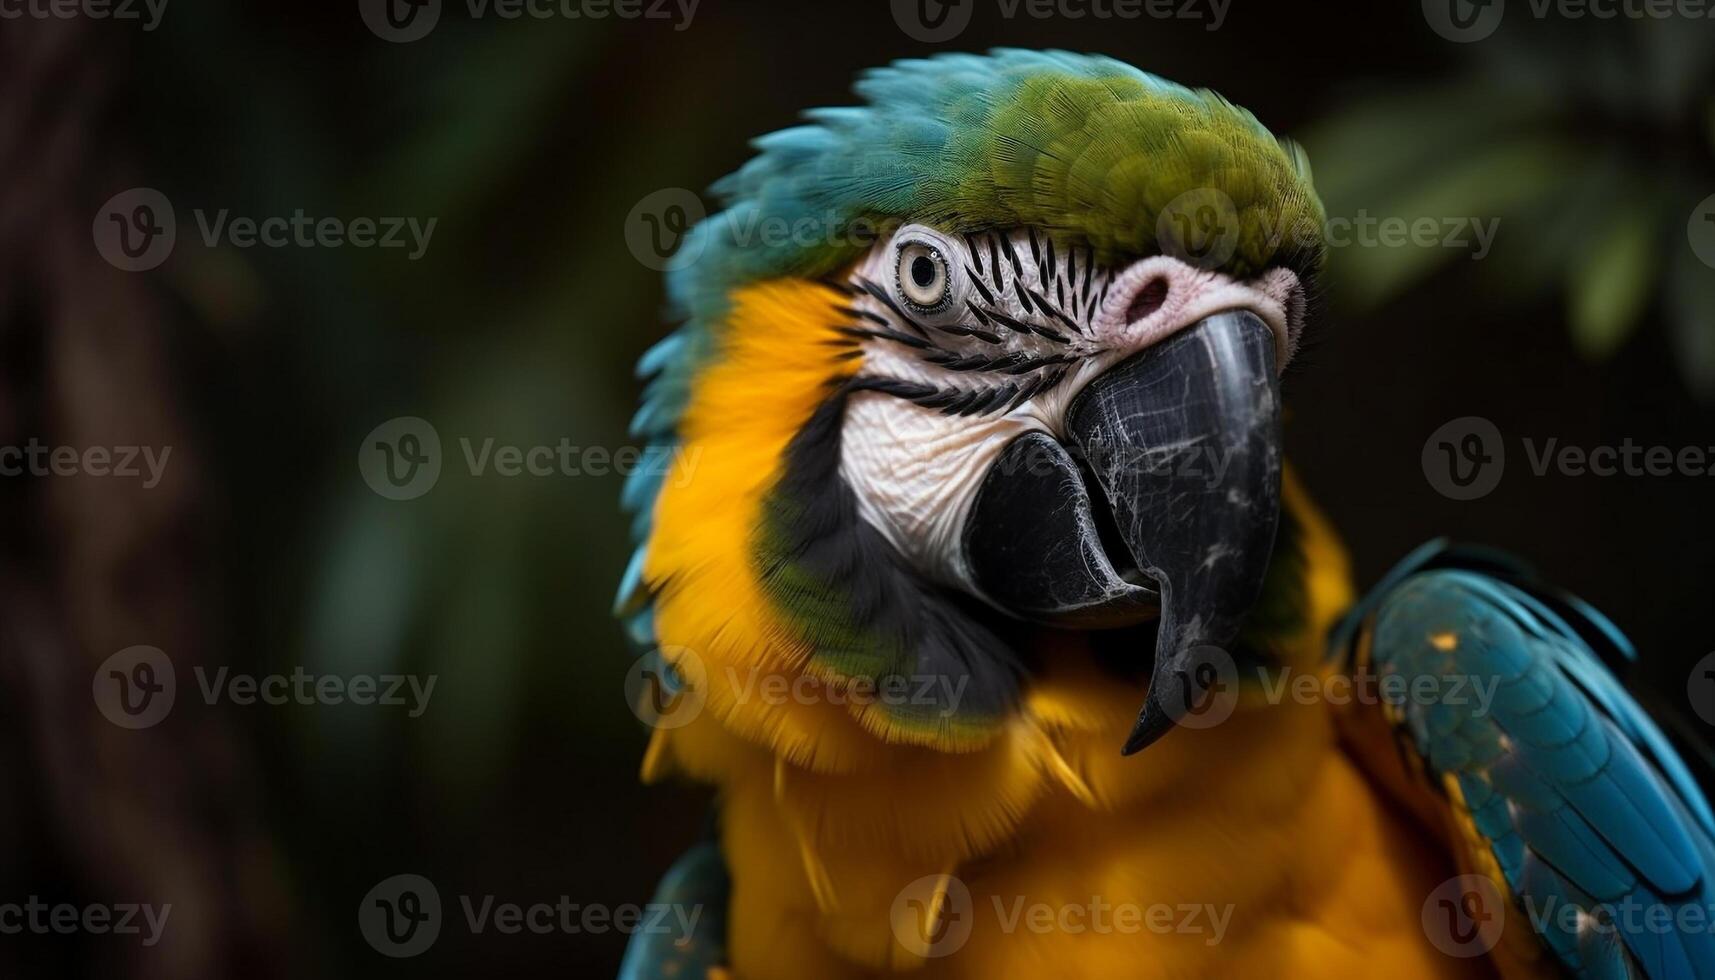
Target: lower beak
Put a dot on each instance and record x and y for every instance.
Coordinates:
(1182, 446)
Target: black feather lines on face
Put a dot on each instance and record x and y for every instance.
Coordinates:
(864, 613)
(1014, 338)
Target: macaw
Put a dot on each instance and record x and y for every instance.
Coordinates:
(984, 452)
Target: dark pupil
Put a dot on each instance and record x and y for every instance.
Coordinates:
(923, 271)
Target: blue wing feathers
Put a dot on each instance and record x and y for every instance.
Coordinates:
(1593, 819)
(697, 888)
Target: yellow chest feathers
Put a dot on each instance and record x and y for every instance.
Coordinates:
(1254, 848)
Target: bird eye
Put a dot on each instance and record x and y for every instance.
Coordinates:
(922, 275)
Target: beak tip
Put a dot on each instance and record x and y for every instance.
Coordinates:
(1152, 724)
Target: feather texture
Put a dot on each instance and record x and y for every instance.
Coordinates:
(1604, 841)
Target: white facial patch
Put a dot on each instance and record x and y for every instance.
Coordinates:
(916, 472)
(972, 341)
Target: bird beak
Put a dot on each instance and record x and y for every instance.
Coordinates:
(1170, 516)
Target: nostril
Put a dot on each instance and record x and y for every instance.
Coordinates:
(1147, 300)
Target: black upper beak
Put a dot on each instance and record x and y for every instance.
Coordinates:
(1182, 445)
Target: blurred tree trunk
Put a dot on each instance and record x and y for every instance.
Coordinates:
(91, 565)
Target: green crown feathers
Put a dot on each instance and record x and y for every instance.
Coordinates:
(1081, 146)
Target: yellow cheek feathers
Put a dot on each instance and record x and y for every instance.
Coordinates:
(778, 358)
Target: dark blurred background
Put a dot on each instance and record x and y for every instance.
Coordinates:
(529, 141)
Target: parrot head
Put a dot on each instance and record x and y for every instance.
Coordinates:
(996, 352)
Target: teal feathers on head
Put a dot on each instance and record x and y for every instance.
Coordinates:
(1086, 148)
